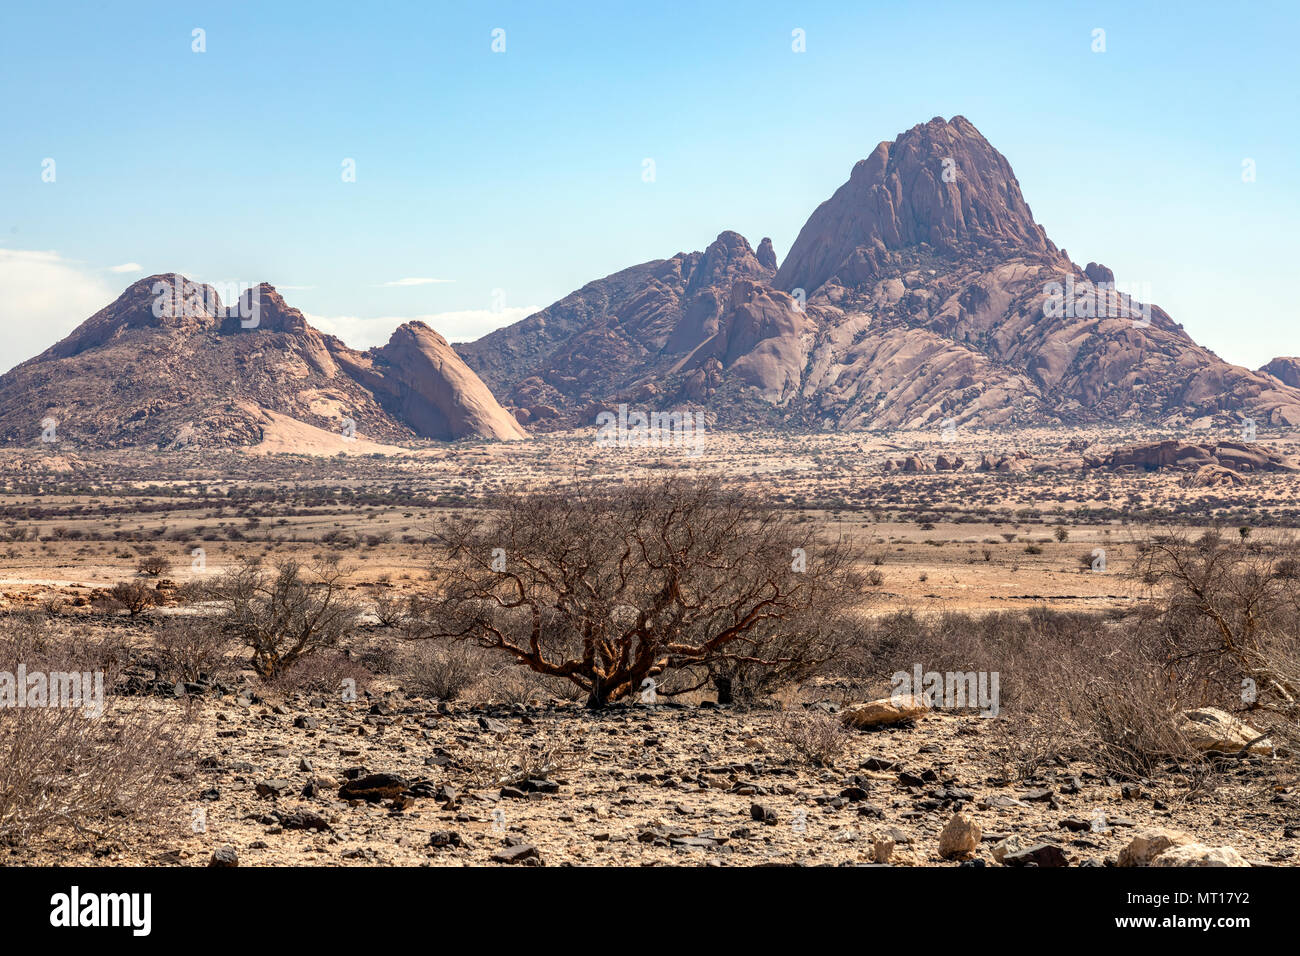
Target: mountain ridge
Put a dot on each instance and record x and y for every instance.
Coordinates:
(921, 292)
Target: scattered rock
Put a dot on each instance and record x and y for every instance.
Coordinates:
(1040, 854)
(516, 854)
(884, 712)
(224, 857)
(960, 837)
(1146, 845)
(1198, 854)
(373, 787)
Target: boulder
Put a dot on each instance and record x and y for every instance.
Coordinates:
(960, 837)
(884, 712)
(1147, 844)
(1211, 730)
(1198, 854)
(1039, 854)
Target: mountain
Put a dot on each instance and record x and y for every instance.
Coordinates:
(659, 331)
(921, 290)
(1285, 369)
(168, 365)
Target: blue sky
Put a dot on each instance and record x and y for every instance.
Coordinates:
(516, 177)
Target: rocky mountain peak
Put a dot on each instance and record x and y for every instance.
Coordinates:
(941, 184)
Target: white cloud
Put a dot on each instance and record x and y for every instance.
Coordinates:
(406, 282)
(462, 326)
(127, 267)
(43, 297)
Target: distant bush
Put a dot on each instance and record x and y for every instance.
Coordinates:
(134, 596)
(285, 612)
(154, 565)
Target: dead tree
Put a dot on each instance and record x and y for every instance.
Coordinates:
(610, 589)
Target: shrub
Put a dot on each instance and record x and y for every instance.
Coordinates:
(286, 612)
(191, 649)
(810, 737)
(442, 670)
(135, 596)
(154, 565)
(64, 768)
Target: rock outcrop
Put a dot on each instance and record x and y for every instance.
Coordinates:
(1285, 370)
(922, 290)
(168, 365)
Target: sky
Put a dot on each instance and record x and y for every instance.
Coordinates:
(489, 183)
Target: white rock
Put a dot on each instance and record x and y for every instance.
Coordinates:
(1198, 854)
(887, 710)
(1146, 845)
(1211, 730)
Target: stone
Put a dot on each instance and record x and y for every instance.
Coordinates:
(224, 858)
(303, 820)
(1211, 730)
(1198, 854)
(1039, 854)
(272, 788)
(1147, 844)
(960, 837)
(373, 787)
(445, 838)
(883, 849)
(516, 854)
(884, 712)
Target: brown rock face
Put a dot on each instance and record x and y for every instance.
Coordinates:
(922, 290)
(422, 380)
(1217, 456)
(699, 328)
(168, 364)
(940, 183)
(1286, 369)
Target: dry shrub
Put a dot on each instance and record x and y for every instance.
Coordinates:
(188, 650)
(135, 596)
(154, 565)
(1028, 745)
(810, 737)
(1091, 686)
(64, 767)
(326, 672)
(509, 760)
(507, 684)
(442, 670)
(287, 612)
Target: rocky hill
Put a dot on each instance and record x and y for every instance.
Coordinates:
(169, 365)
(921, 291)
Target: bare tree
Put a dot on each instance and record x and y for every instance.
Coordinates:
(611, 589)
(154, 565)
(285, 612)
(1231, 608)
(135, 596)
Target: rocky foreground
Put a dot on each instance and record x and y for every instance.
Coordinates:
(394, 780)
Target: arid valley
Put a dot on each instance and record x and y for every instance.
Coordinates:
(465, 759)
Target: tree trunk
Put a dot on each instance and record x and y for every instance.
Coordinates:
(723, 687)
